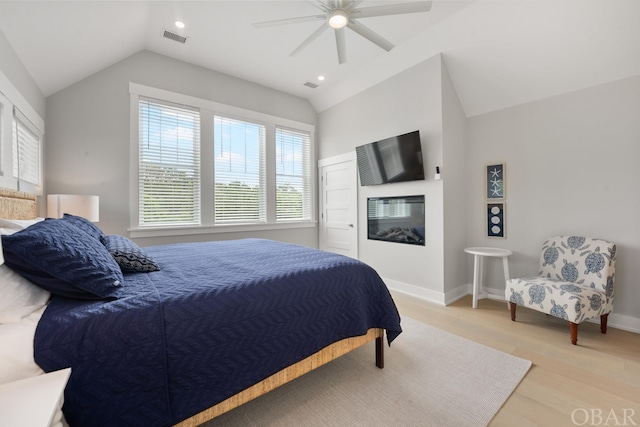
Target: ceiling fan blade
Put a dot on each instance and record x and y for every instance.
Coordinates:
(352, 4)
(391, 9)
(309, 39)
(341, 45)
(290, 21)
(370, 35)
(319, 4)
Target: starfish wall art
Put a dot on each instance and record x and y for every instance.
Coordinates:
(495, 180)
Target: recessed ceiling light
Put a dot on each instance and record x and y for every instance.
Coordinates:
(321, 78)
(179, 24)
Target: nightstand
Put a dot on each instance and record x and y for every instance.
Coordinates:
(33, 402)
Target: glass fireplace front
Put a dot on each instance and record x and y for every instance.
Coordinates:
(396, 219)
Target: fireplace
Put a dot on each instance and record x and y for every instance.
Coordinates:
(396, 219)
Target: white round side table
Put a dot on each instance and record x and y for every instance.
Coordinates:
(478, 258)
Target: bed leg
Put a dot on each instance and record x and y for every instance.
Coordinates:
(380, 352)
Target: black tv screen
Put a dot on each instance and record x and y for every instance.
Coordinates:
(394, 159)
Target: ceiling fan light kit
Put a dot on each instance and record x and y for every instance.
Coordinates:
(338, 18)
(342, 13)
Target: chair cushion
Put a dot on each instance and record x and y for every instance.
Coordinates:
(566, 300)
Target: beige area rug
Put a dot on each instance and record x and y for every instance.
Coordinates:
(430, 378)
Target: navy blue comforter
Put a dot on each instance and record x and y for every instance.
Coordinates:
(217, 318)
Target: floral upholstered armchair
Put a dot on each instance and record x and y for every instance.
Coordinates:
(575, 282)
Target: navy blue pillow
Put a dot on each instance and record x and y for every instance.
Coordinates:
(64, 260)
(128, 255)
(85, 225)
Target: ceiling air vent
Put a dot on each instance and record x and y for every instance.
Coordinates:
(173, 36)
(311, 85)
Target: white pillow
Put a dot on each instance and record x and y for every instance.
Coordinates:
(10, 226)
(18, 296)
(16, 349)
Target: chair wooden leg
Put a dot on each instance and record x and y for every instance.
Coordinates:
(574, 332)
(603, 323)
(512, 306)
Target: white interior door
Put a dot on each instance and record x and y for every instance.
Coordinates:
(339, 205)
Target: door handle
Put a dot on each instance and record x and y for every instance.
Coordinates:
(351, 225)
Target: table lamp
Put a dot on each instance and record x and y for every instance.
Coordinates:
(75, 204)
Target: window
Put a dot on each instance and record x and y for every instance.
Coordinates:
(240, 179)
(169, 164)
(25, 150)
(21, 136)
(209, 167)
(293, 184)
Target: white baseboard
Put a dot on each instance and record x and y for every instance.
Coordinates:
(618, 321)
(415, 291)
(624, 322)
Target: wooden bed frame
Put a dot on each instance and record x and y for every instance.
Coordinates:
(290, 373)
(20, 205)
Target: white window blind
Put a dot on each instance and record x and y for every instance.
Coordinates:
(26, 150)
(293, 175)
(169, 164)
(240, 171)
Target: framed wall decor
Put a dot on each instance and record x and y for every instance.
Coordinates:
(496, 220)
(495, 181)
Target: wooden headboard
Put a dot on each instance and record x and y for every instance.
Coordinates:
(17, 205)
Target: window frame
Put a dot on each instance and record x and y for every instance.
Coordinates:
(208, 109)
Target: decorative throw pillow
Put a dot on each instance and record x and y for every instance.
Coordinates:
(64, 260)
(128, 255)
(84, 224)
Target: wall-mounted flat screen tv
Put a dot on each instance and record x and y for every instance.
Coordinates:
(394, 159)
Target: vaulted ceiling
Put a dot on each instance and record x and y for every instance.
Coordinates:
(499, 53)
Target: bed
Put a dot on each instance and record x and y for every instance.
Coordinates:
(219, 324)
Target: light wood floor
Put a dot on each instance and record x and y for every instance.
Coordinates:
(598, 377)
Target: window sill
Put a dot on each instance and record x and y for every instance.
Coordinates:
(214, 229)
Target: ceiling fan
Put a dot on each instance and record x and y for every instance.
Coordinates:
(338, 14)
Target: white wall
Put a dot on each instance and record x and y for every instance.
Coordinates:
(408, 101)
(454, 181)
(88, 133)
(571, 168)
(14, 70)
